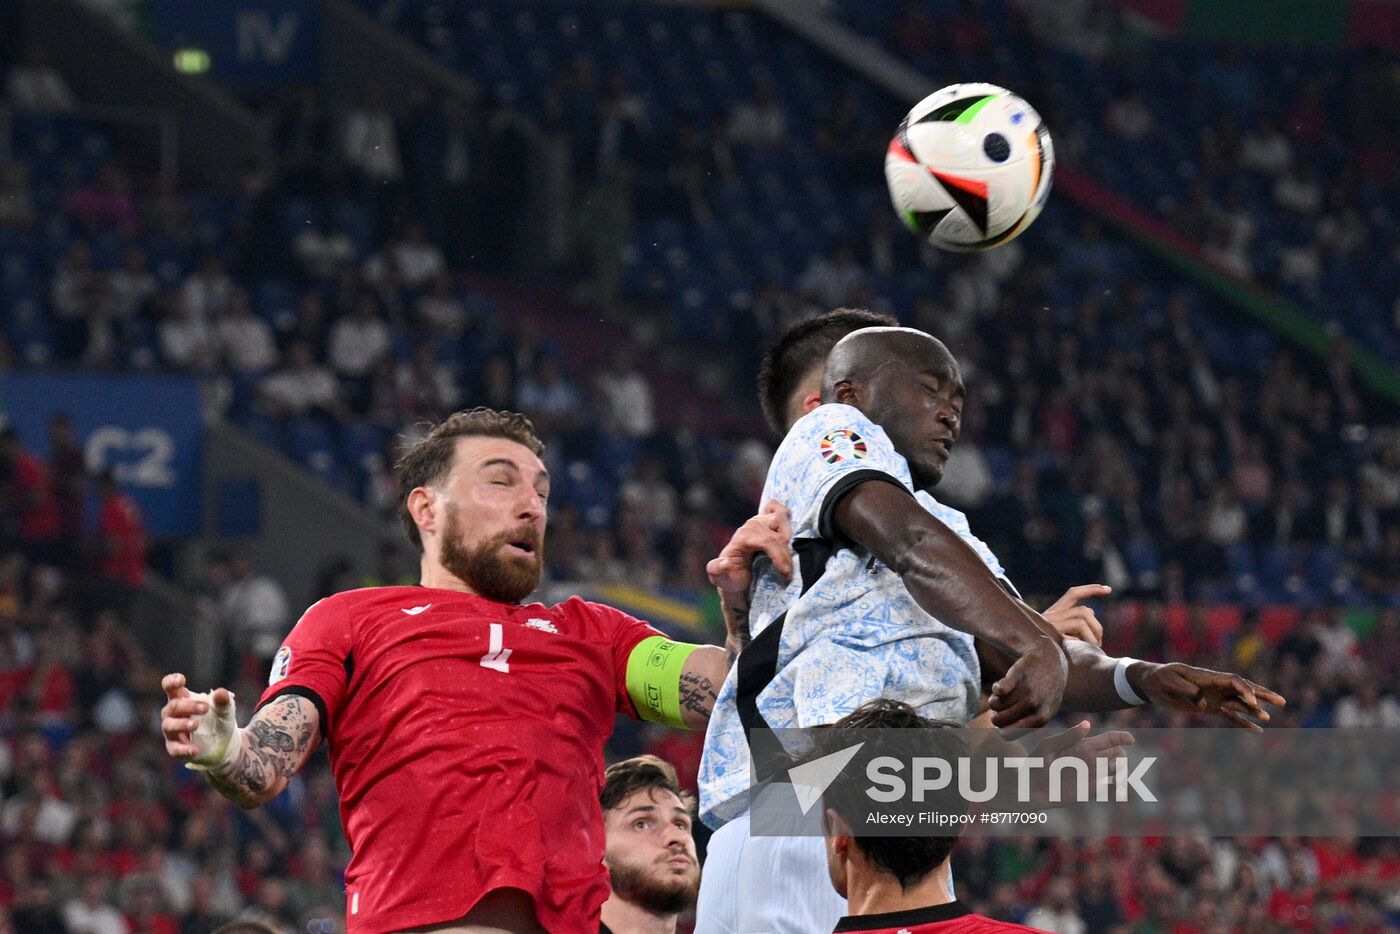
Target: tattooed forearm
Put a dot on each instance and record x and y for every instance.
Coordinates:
(274, 746)
(697, 694)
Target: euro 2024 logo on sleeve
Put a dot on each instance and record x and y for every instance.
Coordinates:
(280, 665)
(841, 445)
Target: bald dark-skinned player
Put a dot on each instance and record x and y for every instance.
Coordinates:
(891, 599)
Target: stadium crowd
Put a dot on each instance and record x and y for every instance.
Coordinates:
(1243, 500)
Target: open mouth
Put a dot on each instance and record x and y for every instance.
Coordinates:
(524, 546)
(946, 444)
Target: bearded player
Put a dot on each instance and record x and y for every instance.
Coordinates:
(651, 851)
(465, 730)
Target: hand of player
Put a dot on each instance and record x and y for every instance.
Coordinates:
(1076, 743)
(767, 533)
(199, 729)
(1229, 696)
(1030, 692)
(1074, 621)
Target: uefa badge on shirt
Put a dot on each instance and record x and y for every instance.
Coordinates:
(842, 445)
(280, 665)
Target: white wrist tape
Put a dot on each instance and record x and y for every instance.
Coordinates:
(1121, 685)
(216, 736)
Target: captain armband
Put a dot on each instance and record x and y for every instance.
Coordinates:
(654, 679)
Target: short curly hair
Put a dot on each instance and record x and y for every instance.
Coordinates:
(430, 460)
(640, 773)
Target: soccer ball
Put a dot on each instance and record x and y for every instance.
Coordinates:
(969, 167)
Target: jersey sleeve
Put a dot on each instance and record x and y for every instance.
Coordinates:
(315, 660)
(828, 452)
(623, 633)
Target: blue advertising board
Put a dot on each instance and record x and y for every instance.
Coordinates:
(149, 430)
(251, 43)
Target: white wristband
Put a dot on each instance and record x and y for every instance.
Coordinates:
(1121, 685)
(217, 738)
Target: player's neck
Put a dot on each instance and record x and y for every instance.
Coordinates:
(437, 577)
(624, 917)
(871, 893)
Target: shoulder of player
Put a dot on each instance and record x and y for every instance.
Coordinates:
(828, 416)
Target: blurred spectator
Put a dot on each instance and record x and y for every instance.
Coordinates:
(129, 287)
(1368, 709)
(440, 311)
(245, 340)
(34, 84)
(369, 138)
(411, 261)
(121, 537)
(759, 121)
(323, 250)
(188, 341)
(1266, 149)
(91, 913)
(1057, 910)
(74, 294)
(1129, 116)
(1296, 191)
(550, 400)
(832, 280)
(68, 474)
(301, 387)
(254, 609)
(29, 512)
(359, 340)
(426, 388)
(206, 291)
(626, 396)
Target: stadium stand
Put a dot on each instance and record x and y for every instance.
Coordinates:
(1242, 498)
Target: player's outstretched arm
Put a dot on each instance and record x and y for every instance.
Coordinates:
(948, 579)
(1096, 684)
(248, 766)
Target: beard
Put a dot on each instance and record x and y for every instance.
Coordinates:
(654, 889)
(485, 570)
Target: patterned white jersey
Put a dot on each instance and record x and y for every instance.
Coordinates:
(850, 634)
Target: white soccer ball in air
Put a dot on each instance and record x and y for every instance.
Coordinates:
(969, 167)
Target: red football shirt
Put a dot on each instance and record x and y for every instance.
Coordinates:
(952, 918)
(466, 738)
(122, 532)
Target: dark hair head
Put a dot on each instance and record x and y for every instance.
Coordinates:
(641, 773)
(908, 859)
(802, 347)
(430, 460)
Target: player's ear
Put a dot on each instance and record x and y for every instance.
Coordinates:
(811, 401)
(837, 829)
(420, 507)
(846, 393)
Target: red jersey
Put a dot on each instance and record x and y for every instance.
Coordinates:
(122, 532)
(952, 918)
(466, 738)
(39, 519)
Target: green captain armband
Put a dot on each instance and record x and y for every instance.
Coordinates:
(654, 679)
